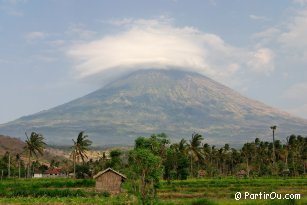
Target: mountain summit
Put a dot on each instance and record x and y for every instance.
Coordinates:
(153, 101)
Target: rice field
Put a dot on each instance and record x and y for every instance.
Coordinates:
(193, 191)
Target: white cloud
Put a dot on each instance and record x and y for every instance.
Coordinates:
(266, 36)
(36, 35)
(287, 38)
(292, 39)
(296, 31)
(262, 61)
(157, 43)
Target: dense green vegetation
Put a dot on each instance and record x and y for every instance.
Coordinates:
(187, 172)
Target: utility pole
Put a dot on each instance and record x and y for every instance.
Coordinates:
(273, 128)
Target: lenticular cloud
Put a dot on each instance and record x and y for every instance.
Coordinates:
(144, 44)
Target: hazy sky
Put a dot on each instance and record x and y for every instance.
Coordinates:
(53, 51)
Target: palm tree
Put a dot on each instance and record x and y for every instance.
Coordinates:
(18, 159)
(182, 146)
(79, 149)
(9, 166)
(194, 149)
(245, 152)
(226, 158)
(207, 152)
(35, 144)
(273, 128)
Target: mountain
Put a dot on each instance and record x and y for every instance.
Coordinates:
(153, 101)
(16, 146)
(9, 144)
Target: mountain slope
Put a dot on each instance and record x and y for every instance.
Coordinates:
(16, 146)
(151, 101)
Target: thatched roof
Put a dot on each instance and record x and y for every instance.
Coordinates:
(109, 169)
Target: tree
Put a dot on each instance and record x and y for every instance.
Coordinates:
(79, 149)
(155, 143)
(34, 145)
(226, 158)
(273, 128)
(176, 163)
(182, 146)
(9, 165)
(248, 151)
(194, 149)
(54, 163)
(83, 171)
(147, 167)
(115, 161)
(18, 159)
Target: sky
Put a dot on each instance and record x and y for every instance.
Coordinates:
(54, 51)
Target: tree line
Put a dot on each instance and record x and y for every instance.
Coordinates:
(186, 158)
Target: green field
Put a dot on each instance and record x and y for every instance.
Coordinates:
(193, 191)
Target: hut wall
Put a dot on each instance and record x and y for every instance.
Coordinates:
(109, 182)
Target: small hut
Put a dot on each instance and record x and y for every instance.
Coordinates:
(109, 180)
(242, 173)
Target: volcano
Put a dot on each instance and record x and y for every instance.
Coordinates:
(175, 102)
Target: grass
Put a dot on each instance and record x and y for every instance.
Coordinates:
(222, 190)
(212, 191)
(70, 200)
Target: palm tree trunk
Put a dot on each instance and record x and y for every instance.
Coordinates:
(191, 165)
(74, 165)
(9, 166)
(198, 169)
(19, 169)
(29, 161)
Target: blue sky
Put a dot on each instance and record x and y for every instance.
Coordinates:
(54, 51)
